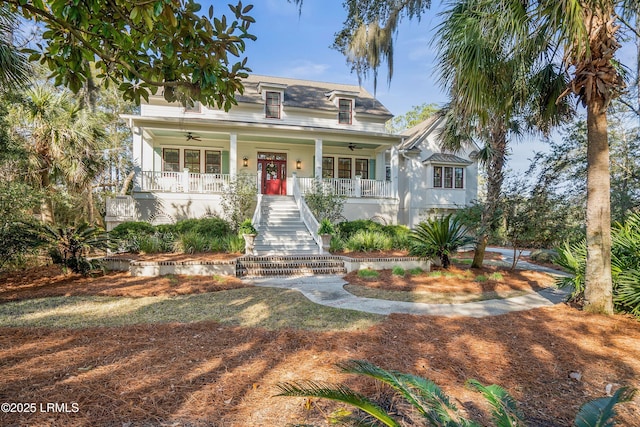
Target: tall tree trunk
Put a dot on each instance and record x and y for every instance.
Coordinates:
(598, 284)
(495, 177)
(46, 207)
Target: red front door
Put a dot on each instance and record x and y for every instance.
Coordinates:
(274, 176)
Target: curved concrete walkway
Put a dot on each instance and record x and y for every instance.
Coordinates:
(329, 291)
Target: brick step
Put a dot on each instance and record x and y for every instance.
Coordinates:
(270, 272)
(296, 264)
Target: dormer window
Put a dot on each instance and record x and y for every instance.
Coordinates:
(272, 105)
(345, 111)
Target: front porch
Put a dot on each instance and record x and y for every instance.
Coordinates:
(207, 183)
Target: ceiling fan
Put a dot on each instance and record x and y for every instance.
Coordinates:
(353, 146)
(191, 136)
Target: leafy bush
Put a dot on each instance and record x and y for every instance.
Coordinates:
(246, 227)
(234, 244)
(544, 255)
(326, 227)
(210, 227)
(18, 240)
(324, 202)
(399, 234)
(70, 246)
(128, 229)
(155, 244)
(336, 245)
(418, 398)
(368, 241)
(625, 265)
(239, 198)
(347, 229)
(416, 271)
(398, 271)
(192, 242)
(439, 238)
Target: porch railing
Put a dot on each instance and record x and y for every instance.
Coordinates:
(121, 207)
(185, 182)
(368, 188)
(306, 215)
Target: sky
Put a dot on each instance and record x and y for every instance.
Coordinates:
(297, 45)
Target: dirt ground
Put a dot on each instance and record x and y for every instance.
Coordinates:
(206, 374)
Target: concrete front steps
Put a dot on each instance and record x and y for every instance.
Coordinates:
(281, 230)
(290, 265)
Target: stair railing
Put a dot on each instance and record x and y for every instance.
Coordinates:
(257, 213)
(306, 215)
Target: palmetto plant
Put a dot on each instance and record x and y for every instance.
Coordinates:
(439, 238)
(428, 404)
(70, 246)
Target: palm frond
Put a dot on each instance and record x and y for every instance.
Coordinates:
(504, 407)
(337, 392)
(600, 412)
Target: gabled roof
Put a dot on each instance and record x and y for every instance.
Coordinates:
(446, 159)
(415, 135)
(312, 95)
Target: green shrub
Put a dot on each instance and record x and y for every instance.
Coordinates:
(336, 245)
(128, 229)
(481, 278)
(625, 265)
(323, 201)
(349, 228)
(416, 271)
(166, 228)
(234, 244)
(398, 271)
(246, 227)
(368, 274)
(192, 242)
(326, 227)
(544, 255)
(19, 239)
(70, 246)
(210, 227)
(155, 244)
(368, 241)
(439, 238)
(496, 276)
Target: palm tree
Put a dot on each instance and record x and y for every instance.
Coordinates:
(491, 90)
(63, 141)
(14, 66)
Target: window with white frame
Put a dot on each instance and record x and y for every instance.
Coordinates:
(448, 177)
(272, 105)
(345, 113)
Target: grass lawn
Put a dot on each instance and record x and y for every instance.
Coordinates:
(192, 351)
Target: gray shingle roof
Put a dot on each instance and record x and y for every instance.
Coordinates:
(313, 95)
(447, 159)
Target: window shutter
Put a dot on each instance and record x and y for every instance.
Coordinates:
(372, 168)
(225, 162)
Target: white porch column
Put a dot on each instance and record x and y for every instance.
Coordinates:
(233, 154)
(381, 166)
(137, 157)
(318, 171)
(395, 168)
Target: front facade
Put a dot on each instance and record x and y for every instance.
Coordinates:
(283, 133)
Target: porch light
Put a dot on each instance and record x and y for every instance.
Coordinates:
(298, 164)
(245, 161)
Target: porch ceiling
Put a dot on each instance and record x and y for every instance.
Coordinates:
(330, 138)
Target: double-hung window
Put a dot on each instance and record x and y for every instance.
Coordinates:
(212, 162)
(327, 167)
(345, 111)
(344, 167)
(192, 160)
(362, 168)
(272, 105)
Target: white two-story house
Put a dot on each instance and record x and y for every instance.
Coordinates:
(283, 134)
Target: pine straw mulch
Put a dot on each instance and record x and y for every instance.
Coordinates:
(459, 279)
(205, 374)
(50, 281)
